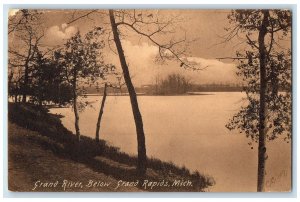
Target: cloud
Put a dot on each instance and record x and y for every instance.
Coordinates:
(140, 59)
(142, 66)
(64, 26)
(55, 35)
(215, 71)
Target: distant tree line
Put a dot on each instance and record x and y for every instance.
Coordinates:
(170, 86)
(173, 84)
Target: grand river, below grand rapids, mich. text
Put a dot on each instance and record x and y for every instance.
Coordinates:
(65, 185)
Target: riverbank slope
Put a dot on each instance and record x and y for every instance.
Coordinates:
(45, 156)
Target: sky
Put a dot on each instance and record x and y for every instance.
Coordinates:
(205, 26)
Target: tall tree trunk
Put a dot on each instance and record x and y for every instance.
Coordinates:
(75, 107)
(76, 118)
(26, 72)
(262, 104)
(16, 97)
(13, 89)
(101, 113)
(25, 83)
(142, 158)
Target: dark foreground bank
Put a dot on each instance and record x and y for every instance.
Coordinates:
(45, 156)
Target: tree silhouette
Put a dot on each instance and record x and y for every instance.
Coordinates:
(48, 82)
(81, 60)
(265, 67)
(25, 33)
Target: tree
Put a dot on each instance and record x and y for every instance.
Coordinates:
(101, 112)
(48, 82)
(40, 78)
(139, 23)
(22, 18)
(106, 86)
(265, 67)
(25, 33)
(82, 62)
(14, 81)
(172, 85)
(148, 25)
(142, 158)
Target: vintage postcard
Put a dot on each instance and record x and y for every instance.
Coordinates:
(149, 100)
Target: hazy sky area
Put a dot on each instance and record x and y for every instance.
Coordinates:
(206, 26)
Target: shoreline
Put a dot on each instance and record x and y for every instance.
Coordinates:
(46, 137)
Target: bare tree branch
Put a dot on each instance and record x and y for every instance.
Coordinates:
(82, 16)
(232, 58)
(252, 43)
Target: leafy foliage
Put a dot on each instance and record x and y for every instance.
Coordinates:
(278, 73)
(81, 61)
(48, 83)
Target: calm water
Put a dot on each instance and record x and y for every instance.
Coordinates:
(190, 131)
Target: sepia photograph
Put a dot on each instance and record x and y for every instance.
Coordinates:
(149, 100)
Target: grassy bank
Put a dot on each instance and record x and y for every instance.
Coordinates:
(47, 133)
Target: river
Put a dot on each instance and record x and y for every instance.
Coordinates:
(189, 131)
